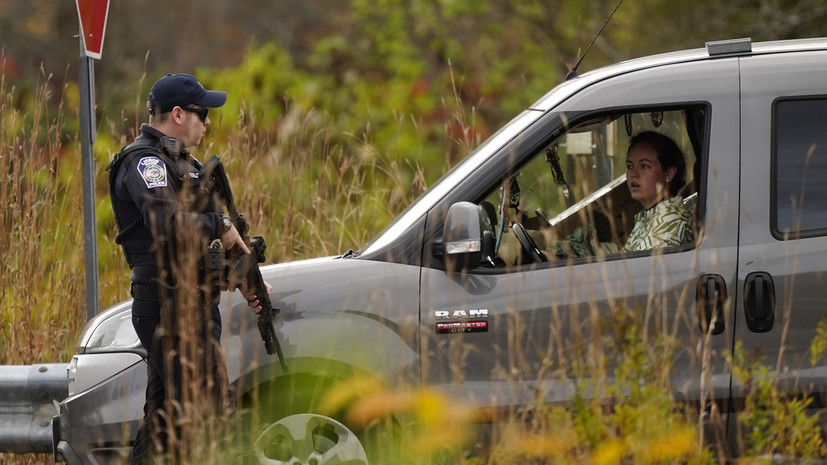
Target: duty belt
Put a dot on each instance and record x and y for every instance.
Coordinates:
(147, 292)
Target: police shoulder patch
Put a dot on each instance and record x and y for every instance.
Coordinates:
(153, 171)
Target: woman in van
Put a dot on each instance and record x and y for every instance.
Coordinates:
(655, 171)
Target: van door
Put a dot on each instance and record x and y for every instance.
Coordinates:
(512, 333)
(782, 284)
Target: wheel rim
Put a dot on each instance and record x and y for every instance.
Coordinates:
(309, 439)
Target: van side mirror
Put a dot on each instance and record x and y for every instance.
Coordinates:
(467, 237)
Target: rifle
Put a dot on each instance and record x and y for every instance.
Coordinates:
(241, 264)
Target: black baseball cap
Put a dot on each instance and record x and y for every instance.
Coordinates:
(183, 89)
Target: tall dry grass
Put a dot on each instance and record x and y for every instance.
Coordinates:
(41, 236)
(311, 197)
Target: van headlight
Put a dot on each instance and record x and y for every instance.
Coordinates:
(110, 331)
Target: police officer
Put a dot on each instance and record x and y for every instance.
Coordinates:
(165, 226)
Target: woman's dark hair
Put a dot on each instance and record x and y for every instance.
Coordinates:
(669, 155)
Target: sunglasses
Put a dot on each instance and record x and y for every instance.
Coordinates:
(201, 112)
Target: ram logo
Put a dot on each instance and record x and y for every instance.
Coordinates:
(461, 314)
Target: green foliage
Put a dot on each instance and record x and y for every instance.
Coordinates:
(774, 422)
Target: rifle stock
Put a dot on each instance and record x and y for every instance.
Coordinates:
(246, 265)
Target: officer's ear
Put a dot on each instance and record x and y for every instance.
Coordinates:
(177, 114)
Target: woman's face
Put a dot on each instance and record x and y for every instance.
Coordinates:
(645, 177)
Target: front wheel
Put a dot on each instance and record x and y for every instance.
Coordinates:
(308, 439)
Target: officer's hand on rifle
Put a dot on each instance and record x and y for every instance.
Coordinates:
(232, 238)
(252, 301)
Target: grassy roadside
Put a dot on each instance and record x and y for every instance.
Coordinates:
(312, 196)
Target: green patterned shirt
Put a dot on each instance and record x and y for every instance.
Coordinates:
(667, 224)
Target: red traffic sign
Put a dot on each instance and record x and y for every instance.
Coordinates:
(92, 15)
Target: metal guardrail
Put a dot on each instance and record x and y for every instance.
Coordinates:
(28, 400)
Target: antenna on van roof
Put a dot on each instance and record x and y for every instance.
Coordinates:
(573, 71)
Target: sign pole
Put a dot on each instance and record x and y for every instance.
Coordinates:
(86, 85)
(92, 17)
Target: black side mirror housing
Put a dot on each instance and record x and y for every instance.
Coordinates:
(467, 237)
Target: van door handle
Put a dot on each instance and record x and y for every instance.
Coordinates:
(759, 301)
(710, 296)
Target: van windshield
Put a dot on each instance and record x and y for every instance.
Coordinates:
(459, 172)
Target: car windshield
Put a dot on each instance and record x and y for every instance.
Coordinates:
(436, 192)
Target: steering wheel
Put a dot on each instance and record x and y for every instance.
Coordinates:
(531, 254)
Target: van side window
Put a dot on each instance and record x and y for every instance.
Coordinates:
(799, 168)
(572, 200)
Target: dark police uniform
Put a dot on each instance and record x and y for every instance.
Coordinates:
(147, 181)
